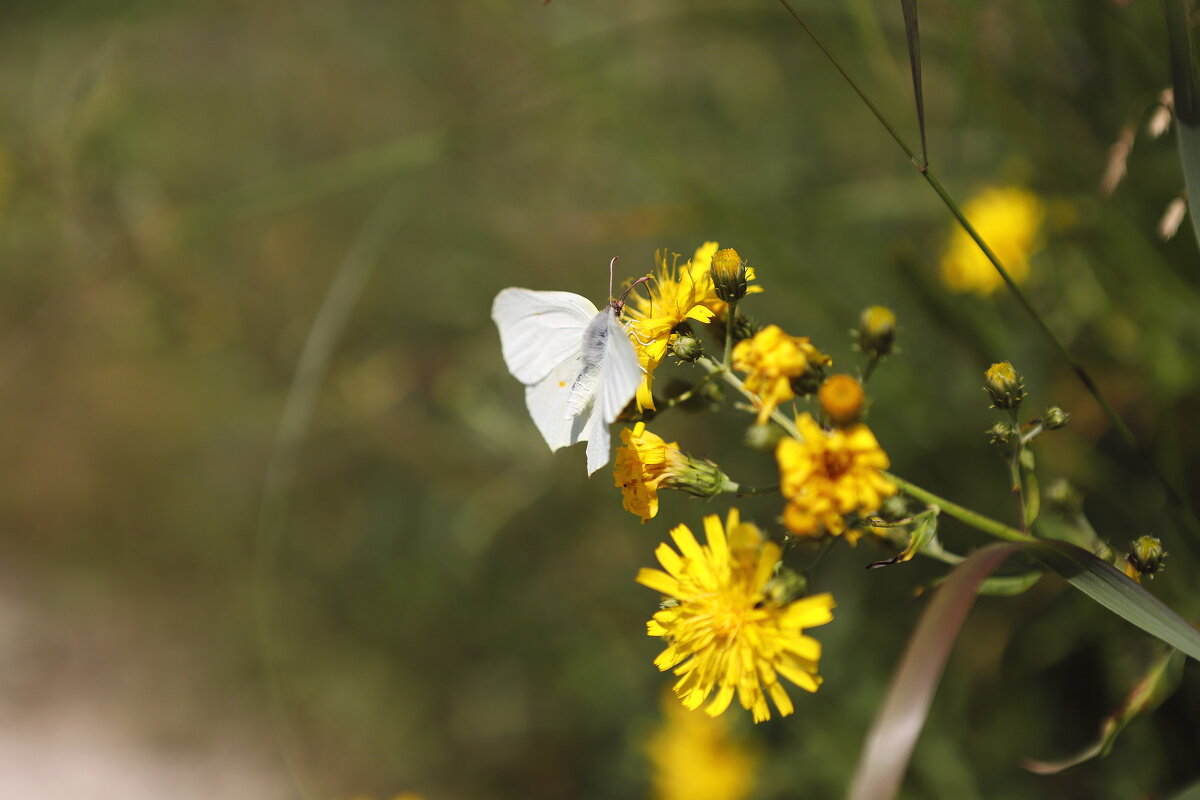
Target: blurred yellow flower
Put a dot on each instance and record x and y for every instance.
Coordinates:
(829, 475)
(676, 294)
(1009, 218)
(772, 359)
(693, 757)
(723, 630)
(841, 398)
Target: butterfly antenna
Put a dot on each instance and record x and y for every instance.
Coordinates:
(620, 304)
(611, 265)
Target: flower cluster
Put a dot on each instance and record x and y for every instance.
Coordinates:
(677, 293)
(725, 633)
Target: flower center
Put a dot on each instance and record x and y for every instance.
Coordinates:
(836, 463)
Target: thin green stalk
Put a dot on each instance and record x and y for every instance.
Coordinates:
(927, 172)
(750, 491)
(972, 518)
(730, 322)
(1017, 486)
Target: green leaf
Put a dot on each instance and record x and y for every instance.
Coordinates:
(912, 33)
(1109, 587)
(1187, 102)
(898, 723)
(922, 534)
(1159, 682)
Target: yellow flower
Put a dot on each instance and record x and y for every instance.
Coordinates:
(722, 629)
(693, 757)
(676, 294)
(646, 463)
(772, 359)
(829, 475)
(1010, 220)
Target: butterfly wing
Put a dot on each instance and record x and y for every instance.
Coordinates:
(620, 375)
(540, 331)
(547, 403)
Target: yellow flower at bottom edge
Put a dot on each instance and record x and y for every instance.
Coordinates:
(1010, 219)
(829, 475)
(694, 757)
(723, 632)
(772, 359)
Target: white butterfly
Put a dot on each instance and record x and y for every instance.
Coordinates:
(577, 363)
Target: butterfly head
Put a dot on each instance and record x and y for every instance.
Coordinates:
(618, 304)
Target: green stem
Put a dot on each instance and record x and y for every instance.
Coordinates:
(926, 171)
(714, 367)
(972, 518)
(730, 323)
(749, 491)
(1017, 486)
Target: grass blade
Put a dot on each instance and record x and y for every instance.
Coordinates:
(899, 721)
(1187, 102)
(912, 33)
(1109, 587)
(1159, 682)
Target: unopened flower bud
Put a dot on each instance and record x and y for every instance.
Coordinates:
(1146, 556)
(1063, 498)
(841, 398)
(763, 437)
(728, 275)
(876, 331)
(1005, 385)
(1001, 433)
(784, 586)
(697, 477)
(687, 348)
(1055, 418)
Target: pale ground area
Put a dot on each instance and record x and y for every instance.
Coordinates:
(95, 707)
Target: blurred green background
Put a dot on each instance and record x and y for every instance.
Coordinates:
(451, 608)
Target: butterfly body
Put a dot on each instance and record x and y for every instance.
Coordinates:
(577, 363)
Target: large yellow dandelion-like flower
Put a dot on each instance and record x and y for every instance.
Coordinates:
(771, 360)
(676, 294)
(694, 757)
(724, 632)
(1009, 219)
(829, 475)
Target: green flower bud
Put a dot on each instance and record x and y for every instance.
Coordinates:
(763, 437)
(687, 348)
(1055, 418)
(728, 275)
(1146, 555)
(784, 587)
(697, 477)
(1005, 385)
(1063, 498)
(1001, 433)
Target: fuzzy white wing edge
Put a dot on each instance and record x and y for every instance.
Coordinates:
(540, 331)
(620, 376)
